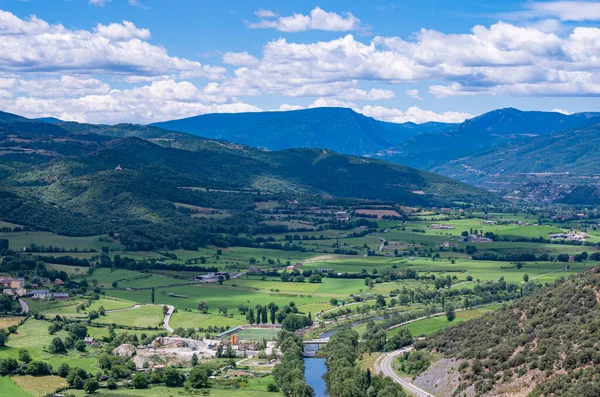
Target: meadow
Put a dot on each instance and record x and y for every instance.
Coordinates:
(33, 335)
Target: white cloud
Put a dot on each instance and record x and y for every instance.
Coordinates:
(155, 102)
(414, 94)
(318, 19)
(239, 59)
(98, 3)
(412, 114)
(122, 31)
(265, 13)
(65, 86)
(558, 110)
(33, 45)
(502, 59)
(564, 10)
(286, 107)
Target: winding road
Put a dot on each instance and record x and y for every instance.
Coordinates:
(168, 318)
(24, 306)
(385, 366)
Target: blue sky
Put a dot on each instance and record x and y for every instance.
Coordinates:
(150, 60)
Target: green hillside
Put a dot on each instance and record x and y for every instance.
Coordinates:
(140, 182)
(493, 129)
(544, 344)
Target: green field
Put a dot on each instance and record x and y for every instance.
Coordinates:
(258, 333)
(145, 316)
(194, 319)
(430, 325)
(33, 335)
(8, 388)
(20, 240)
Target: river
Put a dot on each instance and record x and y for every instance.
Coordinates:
(314, 369)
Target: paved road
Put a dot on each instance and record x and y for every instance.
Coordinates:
(122, 310)
(168, 318)
(24, 306)
(385, 366)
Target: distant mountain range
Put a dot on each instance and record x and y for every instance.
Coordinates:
(498, 150)
(339, 129)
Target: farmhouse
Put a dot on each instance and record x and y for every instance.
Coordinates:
(475, 238)
(39, 294)
(254, 270)
(13, 283)
(324, 270)
(342, 216)
(60, 295)
(441, 227)
(572, 235)
(58, 281)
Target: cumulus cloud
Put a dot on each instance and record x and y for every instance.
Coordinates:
(239, 59)
(122, 31)
(412, 114)
(502, 59)
(33, 45)
(265, 13)
(414, 94)
(155, 102)
(318, 19)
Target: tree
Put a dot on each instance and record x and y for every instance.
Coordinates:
(3, 337)
(77, 330)
(63, 370)
(315, 278)
(380, 301)
(250, 316)
(333, 302)
(294, 322)
(272, 388)
(194, 360)
(202, 307)
(165, 310)
(57, 346)
(273, 310)
(152, 295)
(140, 381)
(80, 345)
(526, 278)
(222, 309)
(111, 384)
(198, 377)
(243, 309)
(450, 313)
(172, 377)
(24, 356)
(91, 385)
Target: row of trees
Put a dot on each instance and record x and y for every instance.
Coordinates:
(289, 373)
(344, 378)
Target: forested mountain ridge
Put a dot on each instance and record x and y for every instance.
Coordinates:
(432, 149)
(339, 129)
(545, 344)
(573, 151)
(82, 179)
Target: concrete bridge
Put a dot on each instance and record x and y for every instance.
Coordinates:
(322, 341)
